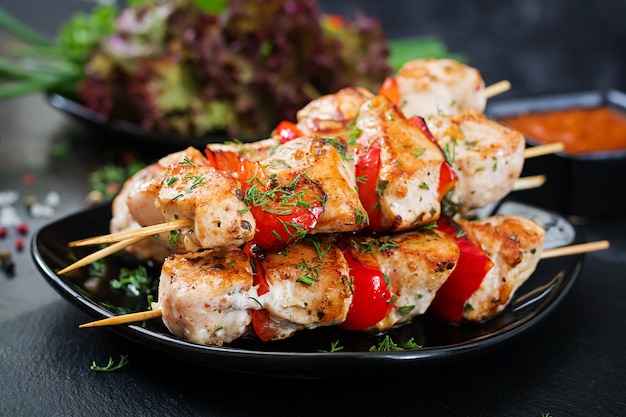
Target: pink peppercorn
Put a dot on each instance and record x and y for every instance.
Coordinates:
(22, 228)
(19, 244)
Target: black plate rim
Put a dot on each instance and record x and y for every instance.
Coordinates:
(302, 364)
(132, 131)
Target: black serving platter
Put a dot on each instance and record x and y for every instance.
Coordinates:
(127, 132)
(581, 186)
(308, 353)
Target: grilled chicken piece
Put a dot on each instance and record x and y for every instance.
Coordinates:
(207, 297)
(122, 219)
(213, 199)
(325, 163)
(487, 157)
(439, 86)
(417, 264)
(181, 185)
(309, 287)
(410, 164)
(514, 244)
(146, 184)
(331, 114)
(136, 204)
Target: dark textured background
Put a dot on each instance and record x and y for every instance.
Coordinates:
(571, 365)
(541, 46)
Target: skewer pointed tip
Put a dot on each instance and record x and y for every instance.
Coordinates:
(525, 183)
(541, 150)
(123, 319)
(102, 253)
(576, 249)
(497, 88)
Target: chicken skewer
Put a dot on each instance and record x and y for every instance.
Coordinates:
(549, 253)
(148, 231)
(418, 265)
(214, 297)
(546, 254)
(485, 155)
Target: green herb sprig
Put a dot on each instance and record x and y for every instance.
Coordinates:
(387, 344)
(111, 365)
(36, 63)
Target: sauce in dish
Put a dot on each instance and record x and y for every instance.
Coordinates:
(582, 130)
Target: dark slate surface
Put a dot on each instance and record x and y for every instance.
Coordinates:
(570, 365)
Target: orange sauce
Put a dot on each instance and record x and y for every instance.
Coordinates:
(582, 130)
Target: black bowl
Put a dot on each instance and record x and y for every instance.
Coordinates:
(584, 187)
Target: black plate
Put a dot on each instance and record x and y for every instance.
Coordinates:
(127, 131)
(307, 353)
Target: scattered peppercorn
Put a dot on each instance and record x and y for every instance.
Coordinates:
(9, 268)
(19, 244)
(28, 179)
(22, 228)
(5, 256)
(6, 262)
(30, 200)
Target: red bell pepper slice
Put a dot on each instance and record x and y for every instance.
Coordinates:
(254, 253)
(283, 215)
(390, 89)
(420, 123)
(366, 170)
(263, 326)
(472, 267)
(223, 160)
(447, 179)
(371, 295)
(261, 323)
(287, 131)
(447, 175)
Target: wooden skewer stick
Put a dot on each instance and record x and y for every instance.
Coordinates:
(130, 234)
(575, 249)
(152, 314)
(541, 150)
(497, 88)
(102, 253)
(126, 318)
(525, 183)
